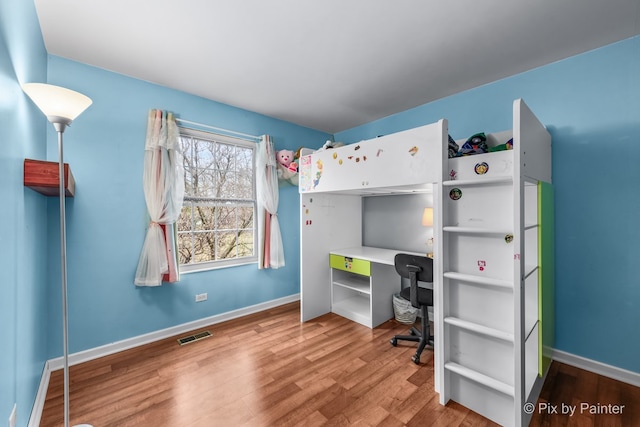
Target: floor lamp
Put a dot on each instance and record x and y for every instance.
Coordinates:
(61, 106)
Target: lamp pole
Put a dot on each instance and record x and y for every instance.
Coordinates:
(60, 127)
(61, 106)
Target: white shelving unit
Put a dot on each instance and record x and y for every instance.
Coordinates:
(487, 251)
(363, 281)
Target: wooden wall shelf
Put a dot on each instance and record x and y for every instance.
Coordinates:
(43, 177)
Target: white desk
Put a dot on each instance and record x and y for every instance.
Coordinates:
(363, 281)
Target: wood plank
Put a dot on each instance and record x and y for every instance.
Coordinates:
(267, 369)
(44, 177)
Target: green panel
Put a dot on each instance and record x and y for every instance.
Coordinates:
(354, 265)
(546, 255)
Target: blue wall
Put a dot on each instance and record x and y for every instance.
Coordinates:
(591, 105)
(107, 219)
(24, 286)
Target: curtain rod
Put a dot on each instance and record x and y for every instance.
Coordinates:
(218, 129)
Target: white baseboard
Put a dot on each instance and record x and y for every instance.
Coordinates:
(38, 405)
(116, 347)
(105, 350)
(600, 368)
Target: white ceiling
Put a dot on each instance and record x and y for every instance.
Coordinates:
(330, 64)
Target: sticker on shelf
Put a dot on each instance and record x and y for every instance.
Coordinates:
(481, 264)
(380, 150)
(455, 194)
(335, 155)
(481, 168)
(508, 238)
(453, 175)
(413, 151)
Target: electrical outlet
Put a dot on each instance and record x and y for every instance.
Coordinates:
(201, 297)
(12, 417)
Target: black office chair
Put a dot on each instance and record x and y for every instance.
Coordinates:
(416, 269)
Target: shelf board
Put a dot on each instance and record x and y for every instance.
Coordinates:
(476, 230)
(478, 181)
(44, 177)
(355, 284)
(479, 329)
(355, 308)
(488, 281)
(480, 378)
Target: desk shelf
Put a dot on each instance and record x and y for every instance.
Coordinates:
(356, 283)
(363, 281)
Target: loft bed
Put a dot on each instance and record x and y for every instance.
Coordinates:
(495, 186)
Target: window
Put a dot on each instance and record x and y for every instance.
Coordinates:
(216, 225)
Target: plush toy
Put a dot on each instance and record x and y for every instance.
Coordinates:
(331, 144)
(284, 158)
(286, 166)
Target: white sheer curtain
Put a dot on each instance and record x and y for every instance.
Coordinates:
(270, 249)
(163, 182)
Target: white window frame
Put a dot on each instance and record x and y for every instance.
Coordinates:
(216, 264)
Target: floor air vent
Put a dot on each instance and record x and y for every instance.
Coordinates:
(194, 337)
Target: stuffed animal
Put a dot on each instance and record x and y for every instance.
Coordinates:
(286, 166)
(284, 158)
(331, 144)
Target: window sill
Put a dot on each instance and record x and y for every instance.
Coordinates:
(197, 268)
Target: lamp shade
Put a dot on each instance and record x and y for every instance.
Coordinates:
(427, 217)
(57, 103)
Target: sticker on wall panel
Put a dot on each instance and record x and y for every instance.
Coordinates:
(316, 180)
(413, 151)
(357, 147)
(380, 150)
(481, 168)
(455, 194)
(453, 174)
(481, 264)
(508, 238)
(335, 155)
(340, 161)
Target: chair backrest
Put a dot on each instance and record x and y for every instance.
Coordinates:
(425, 265)
(416, 269)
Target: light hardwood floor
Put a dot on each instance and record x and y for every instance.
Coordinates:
(268, 369)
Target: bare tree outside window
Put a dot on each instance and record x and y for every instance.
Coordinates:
(216, 226)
